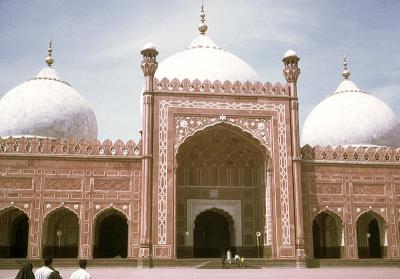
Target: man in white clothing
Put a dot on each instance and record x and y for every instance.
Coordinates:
(81, 273)
(45, 271)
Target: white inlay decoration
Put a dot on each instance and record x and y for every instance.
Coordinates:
(165, 105)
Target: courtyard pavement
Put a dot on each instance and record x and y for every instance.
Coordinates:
(266, 273)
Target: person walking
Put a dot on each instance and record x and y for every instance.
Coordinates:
(81, 273)
(25, 272)
(45, 271)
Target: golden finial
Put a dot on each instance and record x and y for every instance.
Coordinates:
(49, 58)
(202, 26)
(346, 72)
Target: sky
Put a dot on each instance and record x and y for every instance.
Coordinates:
(96, 46)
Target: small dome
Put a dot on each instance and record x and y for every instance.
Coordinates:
(46, 106)
(290, 53)
(149, 45)
(351, 117)
(202, 60)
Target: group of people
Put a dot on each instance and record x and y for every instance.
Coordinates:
(49, 272)
(228, 259)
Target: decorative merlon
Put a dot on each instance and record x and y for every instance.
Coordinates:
(48, 146)
(218, 87)
(351, 154)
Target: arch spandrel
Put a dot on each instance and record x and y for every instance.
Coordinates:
(104, 210)
(257, 128)
(58, 208)
(375, 213)
(26, 211)
(330, 212)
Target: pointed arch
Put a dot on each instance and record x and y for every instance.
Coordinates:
(212, 233)
(14, 232)
(327, 228)
(61, 233)
(111, 207)
(110, 233)
(60, 207)
(14, 206)
(371, 230)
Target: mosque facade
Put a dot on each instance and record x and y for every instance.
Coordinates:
(219, 166)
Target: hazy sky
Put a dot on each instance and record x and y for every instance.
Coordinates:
(97, 46)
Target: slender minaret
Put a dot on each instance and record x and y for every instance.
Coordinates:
(149, 66)
(291, 73)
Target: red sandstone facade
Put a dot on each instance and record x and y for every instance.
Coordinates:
(207, 149)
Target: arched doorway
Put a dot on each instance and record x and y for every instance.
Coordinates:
(14, 233)
(61, 234)
(111, 235)
(326, 235)
(221, 163)
(370, 234)
(212, 234)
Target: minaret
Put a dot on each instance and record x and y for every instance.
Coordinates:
(291, 73)
(149, 66)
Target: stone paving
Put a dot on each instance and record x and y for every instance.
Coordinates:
(266, 273)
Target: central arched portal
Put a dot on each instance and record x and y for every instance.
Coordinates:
(111, 235)
(221, 167)
(211, 235)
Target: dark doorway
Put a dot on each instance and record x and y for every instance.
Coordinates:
(14, 233)
(369, 236)
(374, 240)
(211, 235)
(111, 236)
(19, 237)
(326, 235)
(61, 234)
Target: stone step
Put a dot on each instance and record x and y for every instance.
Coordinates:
(213, 263)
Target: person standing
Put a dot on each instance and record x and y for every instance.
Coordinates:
(25, 272)
(45, 271)
(229, 256)
(81, 273)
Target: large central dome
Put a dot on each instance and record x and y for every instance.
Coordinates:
(203, 59)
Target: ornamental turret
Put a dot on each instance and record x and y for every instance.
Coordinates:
(149, 65)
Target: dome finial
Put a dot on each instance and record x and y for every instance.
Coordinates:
(49, 58)
(202, 26)
(346, 72)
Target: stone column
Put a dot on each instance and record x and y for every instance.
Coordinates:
(149, 66)
(291, 73)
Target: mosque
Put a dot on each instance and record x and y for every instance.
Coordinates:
(218, 166)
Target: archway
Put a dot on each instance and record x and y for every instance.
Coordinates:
(221, 163)
(326, 235)
(370, 234)
(111, 235)
(212, 234)
(13, 233)
(61, 234)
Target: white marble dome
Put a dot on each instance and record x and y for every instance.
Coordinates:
(351, 117)
(46, 106)
(202, 60)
